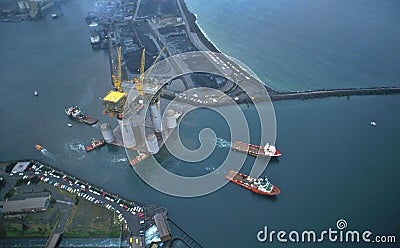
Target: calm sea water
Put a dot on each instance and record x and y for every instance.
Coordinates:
(309, 44)
(335, 165)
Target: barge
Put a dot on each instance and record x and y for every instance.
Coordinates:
(76, 113)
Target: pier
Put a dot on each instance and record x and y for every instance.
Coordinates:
(312, 94)
(184, 237)
(300, 95)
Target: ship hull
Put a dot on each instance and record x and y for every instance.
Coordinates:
(81, 117)
(86, 119)
(98, 144)
(139, 158)
(253, 150)
(237, 178)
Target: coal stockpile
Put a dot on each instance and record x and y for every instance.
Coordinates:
(177, 39)
(137, 36)
(150, 8)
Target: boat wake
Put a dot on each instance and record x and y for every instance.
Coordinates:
(152, 235)
(48, 154)
(221, 143)
(77, 148)
(211, 168)
(97, 125)
(116, 159)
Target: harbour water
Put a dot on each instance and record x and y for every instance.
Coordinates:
(335, 165)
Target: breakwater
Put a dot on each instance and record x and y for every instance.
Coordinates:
(313, 94)
(288, 95)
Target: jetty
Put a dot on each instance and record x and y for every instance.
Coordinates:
(312, 94)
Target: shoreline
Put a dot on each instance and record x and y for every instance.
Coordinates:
(194, 27)
(279, 94)
(56, 169)
(88, 188)
(126, 208)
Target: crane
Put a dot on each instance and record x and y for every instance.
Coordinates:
(114, 101)
(139, 82)
(117, 80)
(157, 97)
(154, 63)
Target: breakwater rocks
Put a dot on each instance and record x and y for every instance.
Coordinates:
(281, 95)
(312, 94)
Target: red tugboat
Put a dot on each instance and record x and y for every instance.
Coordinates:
(139, 158)
(267, 150)
(95, 144)
(260, 186)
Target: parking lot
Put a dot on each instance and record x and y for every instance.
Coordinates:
(131, 214)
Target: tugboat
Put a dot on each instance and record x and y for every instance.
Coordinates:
(75, 113)
(95, 144)
(260, 186)
(267, 150)
(139, 158)
(39, 147)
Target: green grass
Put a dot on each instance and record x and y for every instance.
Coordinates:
(89, 220)
(14, 230)
(92, 234)
(37, 224)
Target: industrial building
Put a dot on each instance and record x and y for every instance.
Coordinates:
(26, 205)
(20, 167)
(162, 227)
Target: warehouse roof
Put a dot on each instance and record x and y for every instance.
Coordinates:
(29, 204)
(161, 226)
(20, 167)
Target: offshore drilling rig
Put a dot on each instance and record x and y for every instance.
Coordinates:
(136, 132)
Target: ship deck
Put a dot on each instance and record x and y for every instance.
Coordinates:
(237, 176)
(89, 120)
(237, 145)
